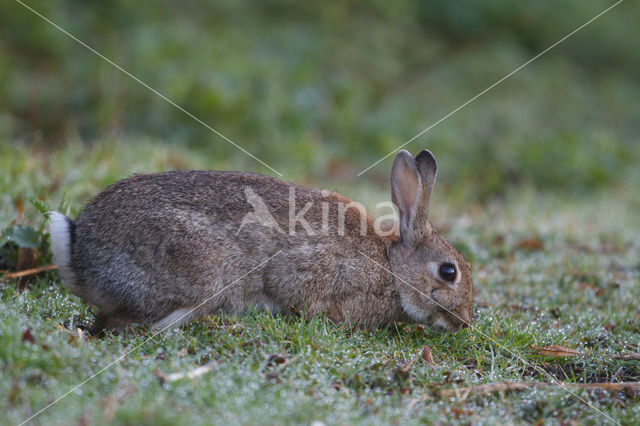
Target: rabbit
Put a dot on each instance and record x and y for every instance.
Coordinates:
(165, 249)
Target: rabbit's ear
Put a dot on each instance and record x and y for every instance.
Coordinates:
(408, 193)
(426, 163)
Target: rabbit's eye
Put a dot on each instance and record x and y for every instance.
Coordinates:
(447, 272)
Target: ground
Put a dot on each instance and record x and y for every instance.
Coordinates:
(548, 270)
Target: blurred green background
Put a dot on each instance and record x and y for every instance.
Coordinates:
(320, 90)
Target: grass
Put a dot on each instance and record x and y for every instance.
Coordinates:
(548, 269)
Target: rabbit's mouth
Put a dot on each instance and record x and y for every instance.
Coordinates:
(443, 324)
(442, 321)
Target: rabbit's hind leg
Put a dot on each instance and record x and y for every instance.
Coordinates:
(115, 323)
(175, 319)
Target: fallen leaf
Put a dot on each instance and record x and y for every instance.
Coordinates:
(427, 356)
(522, 308)
(530, 244)
(276, 359)
(20, 208)
(27, 336)
(598, 291)
(406, 367)
(14, 392)
(160, 375)
(406, 391)
(460, 412)
(556, 351)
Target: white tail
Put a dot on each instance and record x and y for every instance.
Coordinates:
(60, 231)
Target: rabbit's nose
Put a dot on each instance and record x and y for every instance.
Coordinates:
(467, 317)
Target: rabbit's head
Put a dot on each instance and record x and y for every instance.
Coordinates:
(432, 278)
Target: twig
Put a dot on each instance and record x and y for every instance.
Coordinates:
(630, 356)
(462, 393)
(27, 272)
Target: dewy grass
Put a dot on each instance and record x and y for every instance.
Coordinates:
(548, 271)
